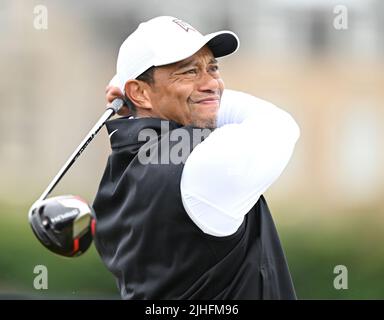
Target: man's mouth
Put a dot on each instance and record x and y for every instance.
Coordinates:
(208, 100)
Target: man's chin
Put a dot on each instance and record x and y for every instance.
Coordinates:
(205, 123)
(205, 118)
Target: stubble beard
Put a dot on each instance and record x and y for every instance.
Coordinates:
(204, 123)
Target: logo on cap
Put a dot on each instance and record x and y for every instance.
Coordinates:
(183, 25)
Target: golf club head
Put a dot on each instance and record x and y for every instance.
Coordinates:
(65, 224)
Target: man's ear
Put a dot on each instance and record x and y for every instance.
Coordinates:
(137, 92)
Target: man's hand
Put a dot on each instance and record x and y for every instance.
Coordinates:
(111, 93)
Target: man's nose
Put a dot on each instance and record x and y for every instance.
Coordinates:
(208, 83)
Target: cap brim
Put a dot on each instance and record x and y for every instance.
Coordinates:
(222, 43)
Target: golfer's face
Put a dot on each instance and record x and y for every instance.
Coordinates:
(189, 91)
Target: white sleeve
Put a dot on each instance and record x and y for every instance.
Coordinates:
(225, 175)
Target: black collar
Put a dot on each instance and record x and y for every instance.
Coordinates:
(125, 131)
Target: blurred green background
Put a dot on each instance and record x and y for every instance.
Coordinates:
(328, 204)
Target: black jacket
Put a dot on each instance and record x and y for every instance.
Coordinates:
(147, 240)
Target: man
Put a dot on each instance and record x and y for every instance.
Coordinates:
(195, 227)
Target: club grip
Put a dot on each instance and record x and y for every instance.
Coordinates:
(116, 105)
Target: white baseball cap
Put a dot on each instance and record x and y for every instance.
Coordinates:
(165, 40)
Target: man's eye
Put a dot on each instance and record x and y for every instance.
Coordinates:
(214, 68)
(190, 71)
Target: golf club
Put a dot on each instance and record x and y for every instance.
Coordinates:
(65, 224)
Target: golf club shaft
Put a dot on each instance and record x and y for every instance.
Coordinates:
(109, 112)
